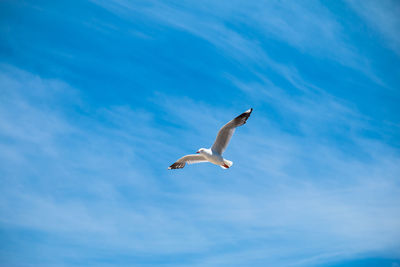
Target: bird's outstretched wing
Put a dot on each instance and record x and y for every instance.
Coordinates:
(189, 159)
(226, 132)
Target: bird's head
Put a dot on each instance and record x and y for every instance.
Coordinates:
(201, 150)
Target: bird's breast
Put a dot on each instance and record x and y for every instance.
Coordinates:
(213, 158)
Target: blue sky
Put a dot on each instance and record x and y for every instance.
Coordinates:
(99, 97)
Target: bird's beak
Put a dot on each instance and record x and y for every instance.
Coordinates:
(198, 152)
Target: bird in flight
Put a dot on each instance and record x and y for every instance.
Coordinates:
(214, 154)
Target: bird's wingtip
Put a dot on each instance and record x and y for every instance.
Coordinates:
(249, 110)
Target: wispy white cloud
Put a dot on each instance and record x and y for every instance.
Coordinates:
(310, 28)
(383, 16)
(101, 181)
(83, 186)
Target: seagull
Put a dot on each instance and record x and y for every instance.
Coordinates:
(214, 154)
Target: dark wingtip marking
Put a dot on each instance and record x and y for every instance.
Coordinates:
(244, 116)
(176, 165)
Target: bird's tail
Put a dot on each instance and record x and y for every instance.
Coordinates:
(227, 164)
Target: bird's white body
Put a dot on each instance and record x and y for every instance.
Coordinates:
(215, 158)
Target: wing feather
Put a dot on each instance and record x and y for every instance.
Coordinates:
(225, 133)
(189, 159)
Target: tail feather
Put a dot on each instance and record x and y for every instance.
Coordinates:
(227, 164)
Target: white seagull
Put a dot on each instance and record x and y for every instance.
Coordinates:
(214, 154)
